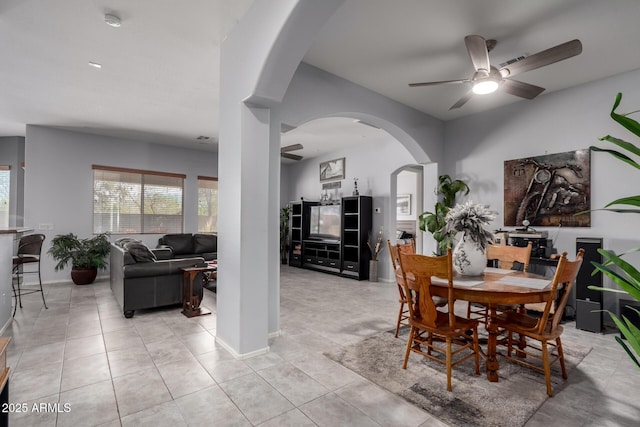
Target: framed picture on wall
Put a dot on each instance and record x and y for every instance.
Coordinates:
(403, 206)
(332, 170)
(548, 190)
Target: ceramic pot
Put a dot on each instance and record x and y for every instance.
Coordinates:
(83, 276)
(373, 270)
(468, 257)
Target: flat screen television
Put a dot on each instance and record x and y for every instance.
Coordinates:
(325, 222)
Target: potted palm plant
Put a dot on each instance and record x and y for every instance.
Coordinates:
(86, 256)
(285, 213)
(615, 267)
(434, 222)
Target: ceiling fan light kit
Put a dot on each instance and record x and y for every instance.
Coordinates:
(485, 87)
(487, 78)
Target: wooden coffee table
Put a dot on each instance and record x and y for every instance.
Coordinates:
(190, 301)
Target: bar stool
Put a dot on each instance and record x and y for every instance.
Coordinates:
(29, 250)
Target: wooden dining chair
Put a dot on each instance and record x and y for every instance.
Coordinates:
(403, 312)
(504, 257)
(546, 329)
(429, 325)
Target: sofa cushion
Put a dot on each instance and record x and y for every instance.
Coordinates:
(179, 243)
(140, 252)
(205, 243)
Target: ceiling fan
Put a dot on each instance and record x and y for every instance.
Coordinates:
(488, 78)
(284, 151)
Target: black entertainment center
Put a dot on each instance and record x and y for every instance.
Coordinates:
(331, 237)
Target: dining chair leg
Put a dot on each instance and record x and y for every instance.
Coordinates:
(547, 368)
(409, 344)
(430, 342)
(448, 361)
(476, 349)
(509, 343)
(399, 318)
(561, 357)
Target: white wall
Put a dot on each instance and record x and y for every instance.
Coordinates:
(59, 180)
(372, 166)
(477, 146)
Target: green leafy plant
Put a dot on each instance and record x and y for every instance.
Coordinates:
(80, 253)
(285, 214)
(434, 222)
(621, 272)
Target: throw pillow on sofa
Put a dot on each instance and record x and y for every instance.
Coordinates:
(140, 252)
(121, 242)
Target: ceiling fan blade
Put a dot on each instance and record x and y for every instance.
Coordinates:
(443, 82)
(462, 100)
(291, 156)
(521, 89)
(291, 148)
(478, 52)
(545, 57)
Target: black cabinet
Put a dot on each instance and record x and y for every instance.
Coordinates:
(300, 212)
(349, 256)
(322, 256)
(356, 226)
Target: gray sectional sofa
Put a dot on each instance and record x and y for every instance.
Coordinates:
(144, 278)
(186, 245)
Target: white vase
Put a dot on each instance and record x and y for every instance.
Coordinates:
(468, 257)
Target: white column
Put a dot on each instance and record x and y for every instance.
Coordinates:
(258, 59)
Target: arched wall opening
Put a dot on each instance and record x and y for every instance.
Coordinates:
(264, 84)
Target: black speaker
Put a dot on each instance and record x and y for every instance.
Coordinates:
(589, 302)
(585, 279)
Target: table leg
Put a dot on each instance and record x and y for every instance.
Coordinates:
(492, 344)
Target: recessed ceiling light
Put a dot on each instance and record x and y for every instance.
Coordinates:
(112, 20)
(203, 138)
(95, 65)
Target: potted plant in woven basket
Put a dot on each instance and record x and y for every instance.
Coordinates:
(86, 256)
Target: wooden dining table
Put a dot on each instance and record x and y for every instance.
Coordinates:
(492, 289)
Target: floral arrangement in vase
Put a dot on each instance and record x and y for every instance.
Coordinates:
(376, 246)
(471, 219)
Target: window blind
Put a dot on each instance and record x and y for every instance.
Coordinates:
(128, 201)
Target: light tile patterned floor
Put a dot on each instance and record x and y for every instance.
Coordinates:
(162, 369)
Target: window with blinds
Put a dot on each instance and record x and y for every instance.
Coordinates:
(128, 201)
(5, 189)
(207, 204)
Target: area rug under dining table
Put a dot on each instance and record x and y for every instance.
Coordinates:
(474, 400)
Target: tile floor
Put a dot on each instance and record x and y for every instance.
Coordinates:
(162, 369)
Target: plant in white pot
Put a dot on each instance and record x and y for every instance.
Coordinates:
(469, 253)
(86, 256)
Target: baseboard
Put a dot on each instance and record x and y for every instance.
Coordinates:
(242, 356)
(275, 334)
(6, 325)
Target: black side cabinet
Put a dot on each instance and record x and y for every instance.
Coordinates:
(357, 220)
